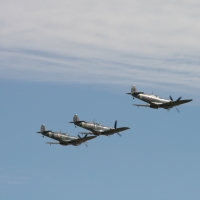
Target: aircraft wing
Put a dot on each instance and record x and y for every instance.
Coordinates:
(87, 133)
(81, 140)
(175, 103)
(52, 142)
(115, 130)
(144, 105)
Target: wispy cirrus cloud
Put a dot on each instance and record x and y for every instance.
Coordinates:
(13, 180)
(142, 27)
(41, 66)
(110, 42)
(6, 178)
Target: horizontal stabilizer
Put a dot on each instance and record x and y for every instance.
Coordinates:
(44, 131)
(136, 93)
(76, 122)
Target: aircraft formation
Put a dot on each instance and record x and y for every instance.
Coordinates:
(96, 129)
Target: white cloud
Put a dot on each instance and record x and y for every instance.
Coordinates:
(132, 26)
(14, 180)
(113, 42)
(117, 69)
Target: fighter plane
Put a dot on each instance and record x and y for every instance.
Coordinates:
(155, 101)
(96, 128)
(64, 138)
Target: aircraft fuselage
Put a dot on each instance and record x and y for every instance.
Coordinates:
(61, 137)
(151, 99)
(94, 127)
(155, 101)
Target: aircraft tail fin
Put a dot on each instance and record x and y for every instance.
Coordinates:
(76, 118)
(133, 90)
(43, 128)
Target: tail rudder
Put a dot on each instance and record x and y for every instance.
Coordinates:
(76, 118)
(43, 128)
(134, 89)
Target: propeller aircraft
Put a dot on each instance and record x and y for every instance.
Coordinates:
(155, 101)
(96, 128)
(64, 138)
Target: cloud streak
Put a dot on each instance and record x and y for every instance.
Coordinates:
(38, 66)
(110, 42)
(14, 180)
(145, 26)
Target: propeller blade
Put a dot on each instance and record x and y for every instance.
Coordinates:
(85, 136)
(85, 144)
(179, 99)
(79, 136)
(177, 109)
(176, 100)
(115, 125)
(119, 134)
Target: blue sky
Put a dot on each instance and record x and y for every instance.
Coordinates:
(60, 58)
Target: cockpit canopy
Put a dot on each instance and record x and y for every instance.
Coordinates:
(155, 95)
(97, 124)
